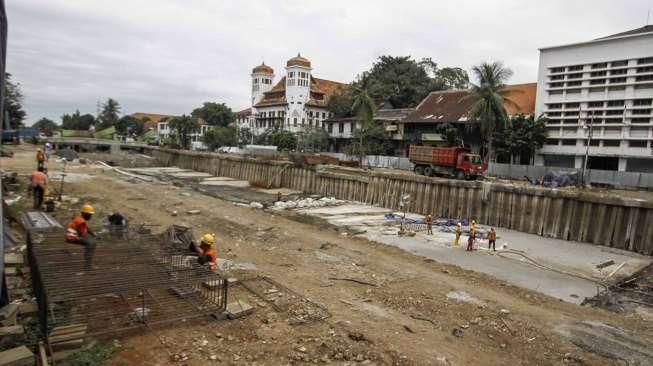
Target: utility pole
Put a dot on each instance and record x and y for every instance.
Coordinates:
(587, 149)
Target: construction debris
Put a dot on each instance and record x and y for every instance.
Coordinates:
(238, 309)
(19, 356)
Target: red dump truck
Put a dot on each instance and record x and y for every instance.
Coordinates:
(452, 161)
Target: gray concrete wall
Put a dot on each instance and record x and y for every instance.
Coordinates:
(604, 177)
(601, 219)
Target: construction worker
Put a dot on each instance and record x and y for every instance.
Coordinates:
(472, 236)
(472, 226)
(459, 232)
(40, 158)
(48, 151)
(78, 231)
(429, 225)
(206, 251)
(492, 239)
(38, 182)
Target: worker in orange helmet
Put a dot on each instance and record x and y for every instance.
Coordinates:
(78, 232)
(40, 158)
(206, 250)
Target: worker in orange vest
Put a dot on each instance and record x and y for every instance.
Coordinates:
(206, 250)
(78, 232)
(429, 225)
(38, 180)
(492, 239)
(40, 158)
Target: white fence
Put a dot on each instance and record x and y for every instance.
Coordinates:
(605, 177)
(377, 161)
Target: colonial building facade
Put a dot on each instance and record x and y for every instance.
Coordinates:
(296, 102)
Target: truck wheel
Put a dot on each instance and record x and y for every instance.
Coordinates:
(460, 175)
(419, 170)
(428, 171)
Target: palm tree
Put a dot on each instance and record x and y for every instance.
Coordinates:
(489, 99)
(363, 107)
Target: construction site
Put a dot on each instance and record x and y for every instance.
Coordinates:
(317, 263)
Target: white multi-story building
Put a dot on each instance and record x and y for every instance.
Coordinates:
(297, 101)
(606, 83)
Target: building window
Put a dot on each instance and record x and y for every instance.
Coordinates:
(619, 63)
(568, 142)
(557, 77)
(639, 102)
(553, 142)
(616, 88)
(644, 86)
(597, 90)
(601, 65)
(640, 120)
(570, 121)
(618, 72)
(597, 82)
(644, 78)
(575, 68)
(592, 142)
(575, 76)
(614, 112)
(595, 104)
(556, 85)
(611, 143)
(555, 92)
(598, 73)
(642, 61)
(617, 80)
(641, 111)
(573, 91)
(330, 127)
(571, 113)
(557, 69)
(555, 106)
(341, 127)
(574, 83)
(553, 114)
(572, 105)
(294, 121)
(615, 103)
(303, 121)
(644, 69)
(638, 143)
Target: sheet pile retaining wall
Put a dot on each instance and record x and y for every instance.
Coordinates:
(602, 219)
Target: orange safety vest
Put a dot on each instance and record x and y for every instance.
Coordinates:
(77, 228)
(40, 156)
(213, 257)
(492, 235)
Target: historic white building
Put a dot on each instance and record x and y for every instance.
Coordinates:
(298, 100)
(606, 83)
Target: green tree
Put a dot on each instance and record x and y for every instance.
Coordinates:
(46, 125)
(518, 142)
(14, 102)
(129, 126)
(182, 127)
(451, 78)
(313, 139)
(77, 121)
(368, 139)
(340, 103)
(217, 137)
(488, 98)
(215, 114)
(283, 140)
(450, 134)
(109, 115)
(244, 136)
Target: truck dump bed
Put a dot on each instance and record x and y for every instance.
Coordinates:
(443, 156)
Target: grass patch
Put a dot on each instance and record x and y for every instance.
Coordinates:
(94, 356)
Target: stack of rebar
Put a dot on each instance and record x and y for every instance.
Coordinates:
(126, 282)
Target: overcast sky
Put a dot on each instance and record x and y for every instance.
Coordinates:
(169, 56)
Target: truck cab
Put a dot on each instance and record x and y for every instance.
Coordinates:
(469, 166)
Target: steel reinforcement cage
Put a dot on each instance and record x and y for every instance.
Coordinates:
(132, 281)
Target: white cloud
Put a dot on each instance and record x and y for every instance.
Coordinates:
(169, 56)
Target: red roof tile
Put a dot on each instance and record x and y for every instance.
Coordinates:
(154, 118)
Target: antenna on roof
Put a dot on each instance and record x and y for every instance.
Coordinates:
(648, 17)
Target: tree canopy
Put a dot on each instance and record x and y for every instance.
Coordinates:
(488, 96)
(129, 126)
(14, 102)
(400, 81)
(215, 114)
(518, 141)
(77, 121)
(110, 114)
(217, 137)
(282, 139)
(313, 139)
(46, 125)
(182, 127)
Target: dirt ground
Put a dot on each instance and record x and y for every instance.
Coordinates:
(401, 316)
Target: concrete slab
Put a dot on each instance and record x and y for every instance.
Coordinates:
(226, 183)
(28, 308)
(12, 330)
(14, 259)
(575, 263)
(217, 179)
(8, 314)
(19, 356)
(238, 309)
(191, 174)
(284, 191)
(11, 271)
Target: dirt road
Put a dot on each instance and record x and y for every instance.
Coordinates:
(402, 315)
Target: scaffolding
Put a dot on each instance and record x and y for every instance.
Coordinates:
(133, 281)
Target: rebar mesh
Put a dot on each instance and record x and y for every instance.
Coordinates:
(133, 280)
